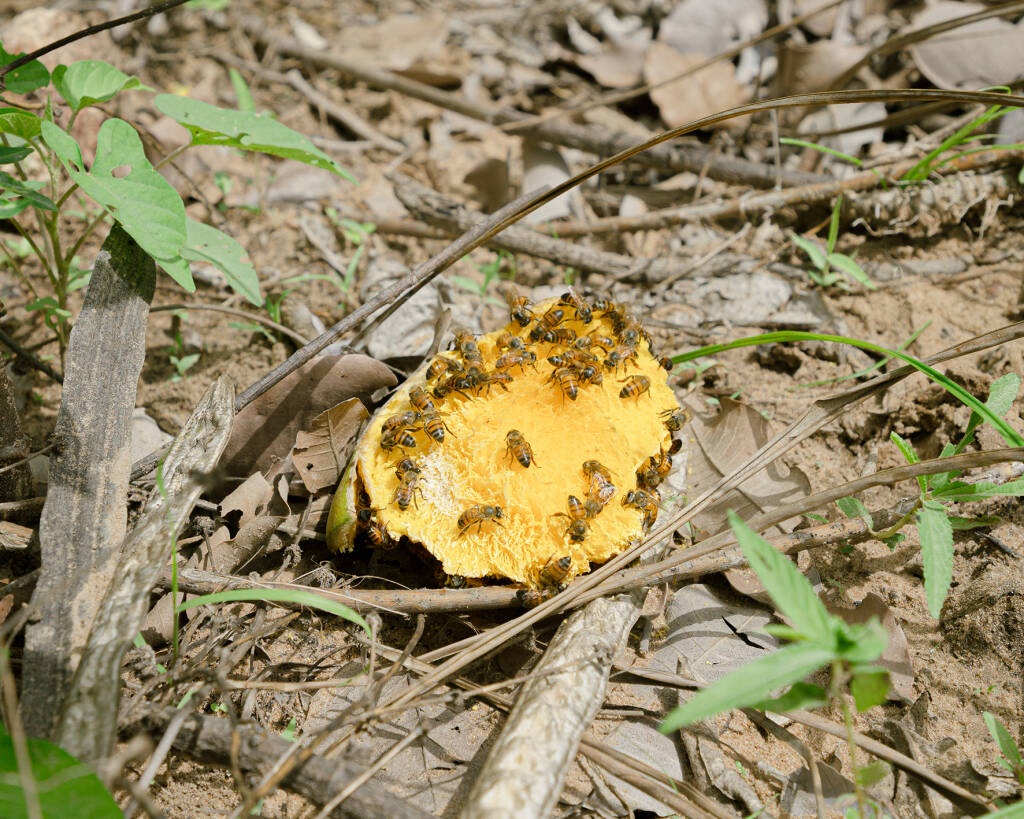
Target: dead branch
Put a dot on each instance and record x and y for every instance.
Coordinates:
(15, 475)
(446, 212)
(85, 514)
(88, 723)
(524, 771)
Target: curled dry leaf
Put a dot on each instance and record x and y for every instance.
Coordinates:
(896, 656)
(250, 499)
(265, 431)
(808, 67)
(320, 454)
(709, 90)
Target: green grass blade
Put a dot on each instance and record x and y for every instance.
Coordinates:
(1008, 433)
(876, 366)
(802, 143)
(294, 596)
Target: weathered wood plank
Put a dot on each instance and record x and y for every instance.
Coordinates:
(84, 517)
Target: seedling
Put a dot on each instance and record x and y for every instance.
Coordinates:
(1011, 757)
(824, 275)
(142, 202)
(819, 640)
(490, 271)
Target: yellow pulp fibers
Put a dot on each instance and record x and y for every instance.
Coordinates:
(472, 466)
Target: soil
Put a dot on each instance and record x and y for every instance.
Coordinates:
(968, 662)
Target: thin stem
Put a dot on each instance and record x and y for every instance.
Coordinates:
(836, 694)
(172, 155)
(35, 248)
(903, 521)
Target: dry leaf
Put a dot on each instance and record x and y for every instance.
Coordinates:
(709, 27)
(974, 56)
(808, 67)
(896, 656)
(321, 453)
(490, 183)
(710, 90)
(250, 498)
(264, 432)
(614, 67)
(545, 167)
(397, 42)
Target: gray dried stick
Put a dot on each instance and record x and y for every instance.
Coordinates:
(523, 774)
(88, 722)
(84, 518)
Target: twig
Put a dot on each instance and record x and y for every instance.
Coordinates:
(88, 32)
(771, 201)
(29, 358)
(231, 311)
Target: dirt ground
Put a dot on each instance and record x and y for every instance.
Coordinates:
(951, 282)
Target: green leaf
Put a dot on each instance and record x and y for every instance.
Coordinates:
(853, 508)
(25, 79)
(206, 243)
(20, 123)
(963, 524)
(816, 254)
(242, 94)
(791, 592)
(872, 772)
(936, 535)
(63, 783)
(965, 492)
(848, 266)
(63, 145)
(1006, 744)
(28, 190)
(246, 130)
(869, 687)
(1015, 811)
(911, 457)
(751, 684)
(143, 202)
(1002, 392)
(12, 154)
(466, 283)
(87, 82)
(833, 227)
(301, 598)
(861, 643)
(800, 696)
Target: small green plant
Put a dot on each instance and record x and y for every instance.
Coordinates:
(818, 640)
(1011, 758)
(180, 360)
(931, 512)
(824, 275)
(490, 271)
(140, 200)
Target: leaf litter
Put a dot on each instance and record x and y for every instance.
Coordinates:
(971, 646)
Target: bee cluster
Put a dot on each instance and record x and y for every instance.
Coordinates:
(580, 344)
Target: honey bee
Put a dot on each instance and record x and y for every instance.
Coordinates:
(646, 501)
(655, 469)
(406, 466)
(476, 515)
(418, 398)
(553, 575)
(560, 335)
(516, 358)
(567, 382)
(440, 365)
(549, 321)
(591, 375)
(486, 379)
(583, 342)
(605, 307)
(402, 420)
(531, 598)
(467, 347)
(596, 468)
(580, 307)
(434, 426)
(573, 356)
(407, 489)
(401, 438)
(507, 341)
(632, 333)
(620, 355)
(675, 419)
(604, 342)
(460, 383)
(601, 489)
(577, 528)
(455, 581)
(518, 448)
(636, 385)
(666, 363)
(518, 308)
(375, 531)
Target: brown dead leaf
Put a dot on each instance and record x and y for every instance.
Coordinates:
(808, 67)
(721, 443)
(250, 499)
(614, 67)
(265, 431)
(896, 656)
(709, 90)
(397, 42)
(321, 453)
